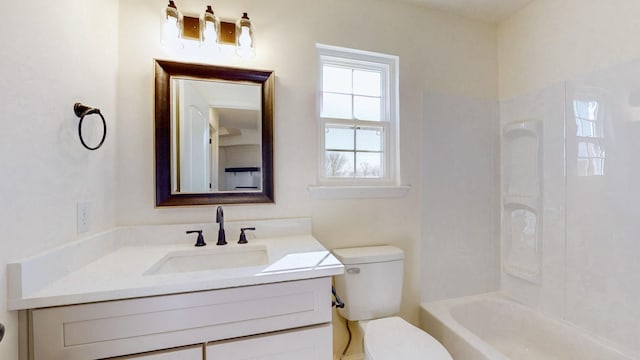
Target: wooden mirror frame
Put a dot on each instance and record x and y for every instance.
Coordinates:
(164, 71)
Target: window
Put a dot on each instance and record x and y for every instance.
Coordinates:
(588, 113)
(358, 117)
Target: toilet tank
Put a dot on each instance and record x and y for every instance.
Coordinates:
(371, 286)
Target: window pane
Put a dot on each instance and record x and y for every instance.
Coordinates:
(586, 115)
(598, 167)
(336, 79)
(338, 137)
(368, 164)
(595, 150)
(366, 108)
(585, 128)
(339, 164)
(369, 139)
(336, 106)
(366, 83)
(581, 109)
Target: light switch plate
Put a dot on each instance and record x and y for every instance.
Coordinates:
(83, 214)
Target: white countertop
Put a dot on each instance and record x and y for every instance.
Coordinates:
(117, 270)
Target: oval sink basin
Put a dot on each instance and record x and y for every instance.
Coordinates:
(210, 259)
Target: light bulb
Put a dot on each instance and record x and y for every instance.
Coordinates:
(171, 33)
(245, 38)
(210, 35)
(211, 26)
(171, 26)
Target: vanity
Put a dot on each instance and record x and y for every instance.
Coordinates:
(145, 292)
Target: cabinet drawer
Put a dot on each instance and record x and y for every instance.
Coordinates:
(311, 343)
(188, 353)
(115, 328)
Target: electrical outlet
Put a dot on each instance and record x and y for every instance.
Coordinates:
(83, 214)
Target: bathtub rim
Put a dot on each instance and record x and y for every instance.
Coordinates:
(439, 311)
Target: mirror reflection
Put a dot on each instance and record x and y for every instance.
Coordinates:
(216, 135)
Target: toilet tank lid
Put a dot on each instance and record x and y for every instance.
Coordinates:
(368, 254)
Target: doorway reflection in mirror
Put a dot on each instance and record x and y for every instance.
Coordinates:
(216, 136)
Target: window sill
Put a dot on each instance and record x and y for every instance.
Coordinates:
(358, 192)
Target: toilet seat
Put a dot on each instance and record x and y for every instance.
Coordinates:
(393, 338)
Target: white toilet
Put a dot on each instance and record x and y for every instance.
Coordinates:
(371, 289)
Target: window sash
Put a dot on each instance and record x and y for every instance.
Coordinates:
(386, 164)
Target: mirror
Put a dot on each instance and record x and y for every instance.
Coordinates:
(214, 135)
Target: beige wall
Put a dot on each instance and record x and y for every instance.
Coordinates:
(53, 56)
(555, 40)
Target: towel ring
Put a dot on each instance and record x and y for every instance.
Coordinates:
(81, 111)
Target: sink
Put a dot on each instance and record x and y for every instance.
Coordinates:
(210, 259)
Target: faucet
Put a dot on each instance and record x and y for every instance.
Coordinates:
(220, 220)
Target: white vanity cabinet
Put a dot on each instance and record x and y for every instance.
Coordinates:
(286, 320)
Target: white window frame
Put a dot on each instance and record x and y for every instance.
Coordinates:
(388, 65)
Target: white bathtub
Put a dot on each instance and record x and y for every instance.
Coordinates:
(493, 327)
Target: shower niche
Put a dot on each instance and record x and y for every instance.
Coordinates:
(521, 232)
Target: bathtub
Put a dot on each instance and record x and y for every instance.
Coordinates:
(493, 327)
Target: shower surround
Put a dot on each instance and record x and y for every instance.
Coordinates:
(566, 205)
(588, 268)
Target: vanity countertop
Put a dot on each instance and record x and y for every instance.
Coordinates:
(118, 269)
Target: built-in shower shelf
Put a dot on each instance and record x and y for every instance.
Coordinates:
(522, 242)
(518, 128)
(531, 202)
(522, 199)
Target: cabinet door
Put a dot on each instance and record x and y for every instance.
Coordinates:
(311, 343)
(186, 353)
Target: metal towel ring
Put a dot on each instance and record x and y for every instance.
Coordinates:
(82, 111)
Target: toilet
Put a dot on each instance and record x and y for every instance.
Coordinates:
(371, 289)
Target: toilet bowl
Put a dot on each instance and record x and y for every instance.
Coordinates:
(394, 338)
(371, 289)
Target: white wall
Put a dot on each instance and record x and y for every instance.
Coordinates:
(550, 53)
(555, 40)
(53, 56)
(460, 191)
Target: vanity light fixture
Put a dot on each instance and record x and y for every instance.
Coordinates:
(208, 30)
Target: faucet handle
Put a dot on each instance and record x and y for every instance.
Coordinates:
(243, 237)
(200, 241)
